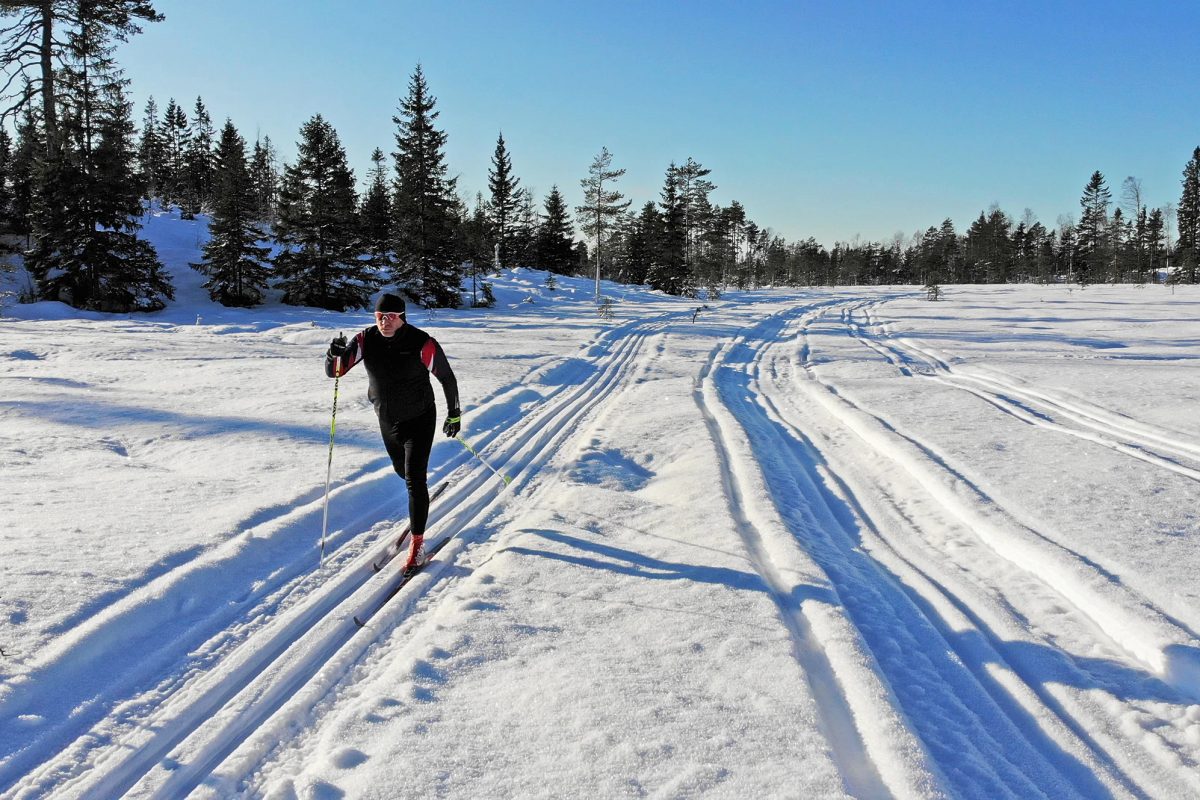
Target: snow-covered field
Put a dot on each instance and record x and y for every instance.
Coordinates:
(811, 544)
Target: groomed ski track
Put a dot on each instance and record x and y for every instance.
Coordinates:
(877, 507)
(298, 636)
(904, 586)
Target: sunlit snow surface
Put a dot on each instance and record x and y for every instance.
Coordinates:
(814, 543)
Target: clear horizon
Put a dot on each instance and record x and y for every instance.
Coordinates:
(830, 120)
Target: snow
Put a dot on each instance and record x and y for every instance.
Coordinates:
(815, 543)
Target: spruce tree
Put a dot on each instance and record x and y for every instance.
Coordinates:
(669, 273)
(376, 216)
(151, 153)
(264, 177)
(476, 251)
(1155, 243)
(6, 189)
(317, 229)
(176, 137)
(26, 157)
(523, 250)
(424, 204)
(644, 243)
(1188, 219)
(554, 236)
(198, 162)
(1092, 248)
(504, 202)
(693, 190)
(601, 206)
(86, 204)
(234, 261)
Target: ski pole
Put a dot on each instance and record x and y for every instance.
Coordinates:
(507, 480)
(329, 466)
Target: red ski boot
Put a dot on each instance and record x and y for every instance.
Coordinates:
(416, 555)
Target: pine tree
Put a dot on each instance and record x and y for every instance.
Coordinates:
(234, 261)
(504, 202)
(554, 236)
(601, 206)
(317, 230)
(264, 177)
(376, 216)
(41, 43)
(713, 254)
(424, 203)
(694, 189)
(1188, 219)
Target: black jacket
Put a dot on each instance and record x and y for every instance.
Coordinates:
(397, 369)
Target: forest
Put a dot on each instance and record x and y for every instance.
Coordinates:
(78, 174)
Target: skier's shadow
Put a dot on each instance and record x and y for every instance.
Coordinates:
(638, 565)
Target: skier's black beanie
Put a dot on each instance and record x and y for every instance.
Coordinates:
(390, 302)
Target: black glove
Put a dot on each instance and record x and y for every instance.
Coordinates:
(453, 423)
(337, 348)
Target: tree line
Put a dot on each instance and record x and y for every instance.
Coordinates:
(77, 176)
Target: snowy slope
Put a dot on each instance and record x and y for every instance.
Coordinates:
(811, 544)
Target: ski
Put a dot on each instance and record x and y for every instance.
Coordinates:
(405, 577)
(395, 549)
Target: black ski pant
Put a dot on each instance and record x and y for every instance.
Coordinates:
(408, 442)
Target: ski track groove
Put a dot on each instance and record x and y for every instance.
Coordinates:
(861, 775)
(552, 426)
(1033, 405)
(1076, 710)
(1168, 646)
(238, 774)
(949, 615)
(950, 713)
(272, 629)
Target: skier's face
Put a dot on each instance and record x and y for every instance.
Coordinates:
(388, 322)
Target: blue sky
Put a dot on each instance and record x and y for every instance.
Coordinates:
(824, 119)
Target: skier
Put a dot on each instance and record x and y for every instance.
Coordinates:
(397, 357)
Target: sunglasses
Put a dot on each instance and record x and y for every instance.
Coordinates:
(390, 316)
